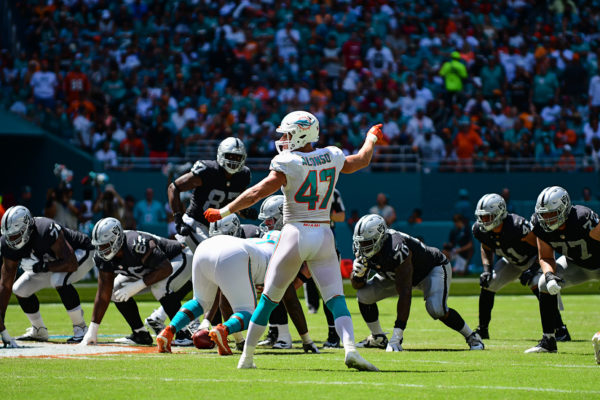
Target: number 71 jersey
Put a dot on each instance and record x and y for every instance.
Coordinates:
(311, 178)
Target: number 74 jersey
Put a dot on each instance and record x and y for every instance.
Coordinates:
(311, 178)
(574, 242)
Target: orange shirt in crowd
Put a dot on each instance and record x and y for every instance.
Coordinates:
(466, 142)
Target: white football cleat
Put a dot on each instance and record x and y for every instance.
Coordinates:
(474, 341)
(35, 334)
(394, 346)
(246, 362)
(355, 360)
(596, 342)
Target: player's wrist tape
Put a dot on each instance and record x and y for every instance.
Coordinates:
(487, 268)
(397, 334)
(224, 212)
(92, 330)
(373, 138)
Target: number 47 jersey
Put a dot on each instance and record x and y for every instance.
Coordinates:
(574, 242)
(311, 178)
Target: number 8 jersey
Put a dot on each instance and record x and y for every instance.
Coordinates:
(311, 179)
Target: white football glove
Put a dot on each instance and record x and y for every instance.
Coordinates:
(359, 269)
(552, 283)
(91, 336)
(8, 340)
(129, 290)
(205, 324)
(395, 342)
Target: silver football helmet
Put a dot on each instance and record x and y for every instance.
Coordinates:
(17, 225)
(108, 238)
(271, 213)
(491, 211)
(552, 208)
(369, 235)
(231, 154)
(301, 127)
(230, 225)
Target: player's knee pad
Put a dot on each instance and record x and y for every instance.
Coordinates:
(263, 310)
(338, 307)
(364, 296)
(435, 309)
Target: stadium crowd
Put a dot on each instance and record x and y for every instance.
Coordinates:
(465, 83)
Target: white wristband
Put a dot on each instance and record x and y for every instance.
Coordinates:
(372, 138)
(224, 212)
(93, 329)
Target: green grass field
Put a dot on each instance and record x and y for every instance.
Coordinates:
(435, 363)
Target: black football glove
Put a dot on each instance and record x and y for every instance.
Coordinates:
(528, 275)
(484, 279)
(249, 213)
(39, 266)
(181, 227)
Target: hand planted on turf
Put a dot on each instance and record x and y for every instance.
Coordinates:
(9, 341)
(212, 215)
(311, 348)
(89, 339)
(394, 346)
(484, 279)
(376, 131)
(552, 283)
(181, 227)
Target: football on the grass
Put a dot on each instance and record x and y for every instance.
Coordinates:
(202, 340)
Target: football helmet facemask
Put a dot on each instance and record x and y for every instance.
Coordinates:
(491, 211)
(301, 128)
(231, 154)
(271, 213)
(107, 237)
(552, 208)
(369, 235)
(17, 225)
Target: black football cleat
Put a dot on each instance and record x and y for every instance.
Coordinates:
(562, 334)
(139, 338)
(546, 345)
(483, 332)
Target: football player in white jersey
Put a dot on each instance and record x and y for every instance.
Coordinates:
(307, 177)
(234, 265)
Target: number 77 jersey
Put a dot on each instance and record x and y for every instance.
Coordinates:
(311, 179)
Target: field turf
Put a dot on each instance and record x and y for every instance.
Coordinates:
(435, 363)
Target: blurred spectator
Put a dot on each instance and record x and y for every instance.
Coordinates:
(419, 124)
(132, 145)
(106, 155)
(453, 72)
(591, 130)
(76, 84)
(594, 91)
(586, 195)
(287, 39)
(463, 205)
(567, 161)
(149, 211)
(128, 218)
(505, 193)
(380, 59)
(459, 248)
(431, 149)
(465, 142)
(61, 207)
(415, 216)
(44, 84)
(384, 209)
(109, 203)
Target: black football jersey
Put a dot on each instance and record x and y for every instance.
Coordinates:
(574, 242)
(44, 235)
(396, 248)
(508, 242)
(250, 231)
(217, 190)
(135, 246)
